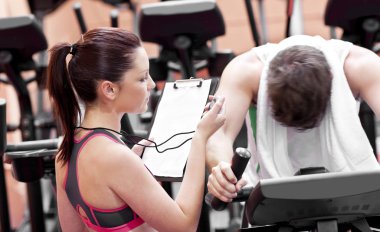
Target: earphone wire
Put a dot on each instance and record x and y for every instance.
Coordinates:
(125, 135)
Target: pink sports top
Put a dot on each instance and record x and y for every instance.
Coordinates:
(115, 220)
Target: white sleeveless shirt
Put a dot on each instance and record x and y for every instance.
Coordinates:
(338, 144)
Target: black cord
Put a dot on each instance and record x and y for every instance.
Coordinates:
(125, 135)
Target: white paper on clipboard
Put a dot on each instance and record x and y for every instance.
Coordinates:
(179, 110)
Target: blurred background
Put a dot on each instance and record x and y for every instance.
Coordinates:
(61, 24)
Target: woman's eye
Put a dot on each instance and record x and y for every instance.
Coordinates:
(145, 78)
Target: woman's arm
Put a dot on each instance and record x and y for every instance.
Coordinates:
(131, 181)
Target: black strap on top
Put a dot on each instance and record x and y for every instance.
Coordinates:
(104, 219)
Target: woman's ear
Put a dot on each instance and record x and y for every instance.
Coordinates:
(108, 89)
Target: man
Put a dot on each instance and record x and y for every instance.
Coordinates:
(306, 91)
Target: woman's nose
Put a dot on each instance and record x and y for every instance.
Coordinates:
(151, 83)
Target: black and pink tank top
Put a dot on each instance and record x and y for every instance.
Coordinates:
(121, 219)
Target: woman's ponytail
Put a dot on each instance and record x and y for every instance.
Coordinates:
(64, 99)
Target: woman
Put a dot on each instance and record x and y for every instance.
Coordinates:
(102, 185)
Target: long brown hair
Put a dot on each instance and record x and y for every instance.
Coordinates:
(299, 86)
(101, 54)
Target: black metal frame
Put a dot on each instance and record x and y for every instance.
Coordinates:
(28, 133)
(252, 23)
(4, 209)
(13, 60)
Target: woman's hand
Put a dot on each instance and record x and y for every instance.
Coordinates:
(213, 117)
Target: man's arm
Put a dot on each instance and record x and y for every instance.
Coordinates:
(239, 85)
(362, 68)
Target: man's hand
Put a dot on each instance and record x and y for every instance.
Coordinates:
(222, 182)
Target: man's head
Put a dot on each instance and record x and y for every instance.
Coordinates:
(299, 86)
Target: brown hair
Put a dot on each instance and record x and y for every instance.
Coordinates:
(101, 54)
(299, 86)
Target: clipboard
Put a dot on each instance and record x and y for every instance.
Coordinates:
(179, 110)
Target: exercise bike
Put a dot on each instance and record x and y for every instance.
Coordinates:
(311, 200)
(17, 52)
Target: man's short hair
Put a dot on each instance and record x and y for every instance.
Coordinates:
(299, 86)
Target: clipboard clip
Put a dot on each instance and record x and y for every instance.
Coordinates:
(192, 82)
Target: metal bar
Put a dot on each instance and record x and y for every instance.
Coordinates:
(252, 22)
(33, 145)
(4, 210)
(79, 16)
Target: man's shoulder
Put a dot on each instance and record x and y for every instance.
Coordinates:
(357, 59)
(247, 62)
(358, 68)
(243, 72)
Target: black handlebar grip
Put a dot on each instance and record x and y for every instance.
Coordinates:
(239, 162)
(3, 127)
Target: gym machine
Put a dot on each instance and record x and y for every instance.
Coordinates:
(31, 161)
(20, 38)
(187, 27)
(311, 200)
